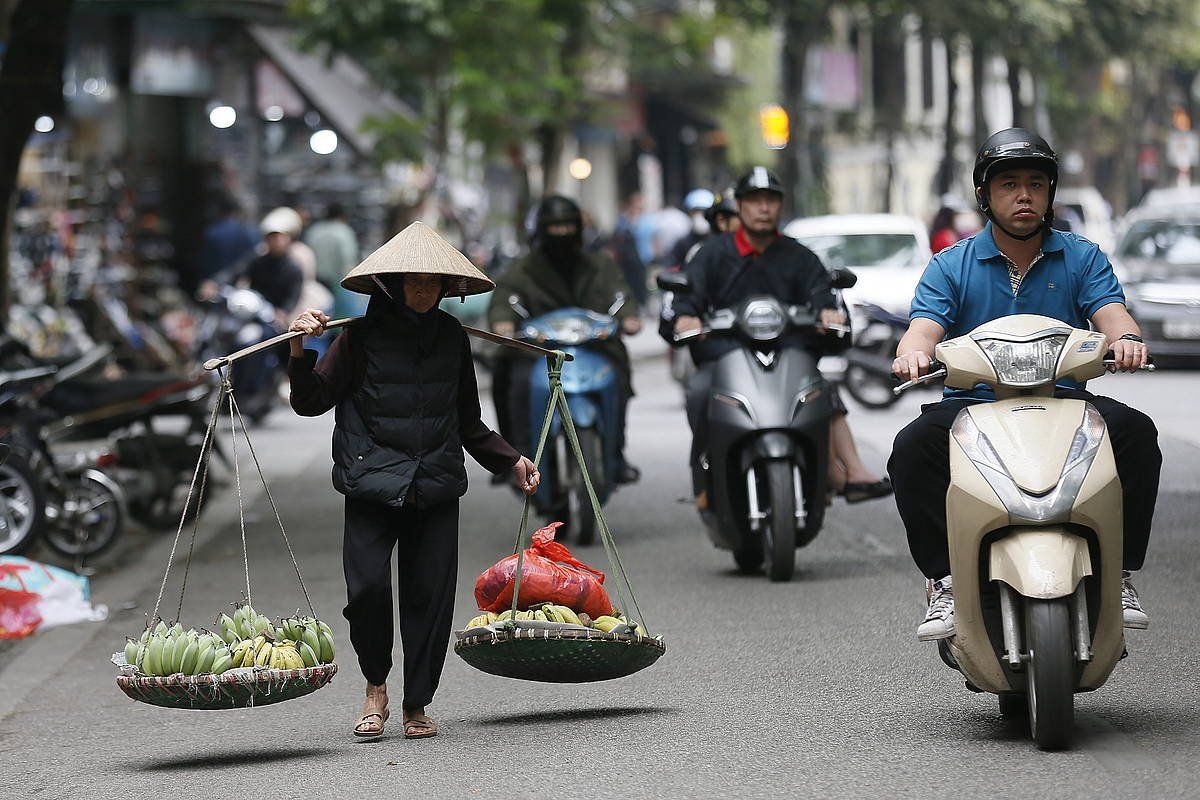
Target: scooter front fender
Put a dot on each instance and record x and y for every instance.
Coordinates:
(1043, 563)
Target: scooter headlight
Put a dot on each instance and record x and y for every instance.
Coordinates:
(1024, 363)
(763, 320)
(569, 331)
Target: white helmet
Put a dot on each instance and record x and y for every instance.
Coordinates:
(282, 220)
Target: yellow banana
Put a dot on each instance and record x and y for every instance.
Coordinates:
(606, 623)
(262, 656)
(568, 614)
(478, 622)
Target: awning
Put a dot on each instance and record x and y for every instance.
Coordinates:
(340, 90)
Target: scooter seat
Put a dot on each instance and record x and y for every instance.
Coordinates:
(88, 394)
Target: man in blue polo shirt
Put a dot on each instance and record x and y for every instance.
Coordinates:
(1016, 265)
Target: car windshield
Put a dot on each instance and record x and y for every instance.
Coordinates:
(864, 249)
(1173, 242)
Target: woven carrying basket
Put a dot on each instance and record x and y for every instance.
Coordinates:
(552, 656)
(240, 688)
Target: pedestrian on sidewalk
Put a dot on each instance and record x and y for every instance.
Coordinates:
(407, 405)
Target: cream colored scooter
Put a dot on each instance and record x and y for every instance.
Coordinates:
(1034, 520)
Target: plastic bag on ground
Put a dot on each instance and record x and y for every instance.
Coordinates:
(35, 596)
(549, 574)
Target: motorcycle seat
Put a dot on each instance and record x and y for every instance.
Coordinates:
(85, 393)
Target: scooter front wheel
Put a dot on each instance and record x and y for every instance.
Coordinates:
(1051, 673)
(779, 532)
(869, 389)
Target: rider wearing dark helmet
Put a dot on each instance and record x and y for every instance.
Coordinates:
(1017, 264)
(755, 259)
(723, 212)
(558, 273)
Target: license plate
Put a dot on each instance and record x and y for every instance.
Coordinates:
(1181, 328)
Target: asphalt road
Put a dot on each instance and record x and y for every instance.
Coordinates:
(813, 688)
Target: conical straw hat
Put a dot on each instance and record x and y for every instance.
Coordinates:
(418, 248)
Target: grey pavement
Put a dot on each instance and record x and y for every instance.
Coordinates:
(813, 688)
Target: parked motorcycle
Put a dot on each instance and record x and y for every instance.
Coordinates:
(769, 410)
(1034, 517)
(591, 385)
(238, 318)
(76, 508)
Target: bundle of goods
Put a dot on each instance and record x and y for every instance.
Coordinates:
(561, 628)
(251, 662)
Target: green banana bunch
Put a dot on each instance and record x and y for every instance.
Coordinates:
(308, 655)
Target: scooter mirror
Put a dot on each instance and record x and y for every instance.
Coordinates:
(842, 278)
(618, 302)
(674, 282)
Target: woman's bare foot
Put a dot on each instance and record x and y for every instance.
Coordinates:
(417, 725)
(374, 712)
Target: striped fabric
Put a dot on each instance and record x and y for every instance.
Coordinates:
(1014, 272)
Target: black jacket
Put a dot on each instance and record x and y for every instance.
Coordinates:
(722, 277)
(407, 405)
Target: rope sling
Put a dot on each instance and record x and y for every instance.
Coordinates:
(554, 655)
(236, 688)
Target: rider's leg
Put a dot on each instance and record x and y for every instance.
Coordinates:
(920, 471)
(699, 386)
(628, 472)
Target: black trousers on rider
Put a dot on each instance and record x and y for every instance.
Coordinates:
(920, 471)
(427, 567)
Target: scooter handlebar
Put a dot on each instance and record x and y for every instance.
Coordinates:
(936, 371)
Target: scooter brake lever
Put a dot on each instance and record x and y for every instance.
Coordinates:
(695, 333)
(926, 378)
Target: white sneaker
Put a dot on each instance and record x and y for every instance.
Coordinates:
(939, 617)
(1131, 606)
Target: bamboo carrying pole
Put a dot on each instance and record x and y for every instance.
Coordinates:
(223, 361)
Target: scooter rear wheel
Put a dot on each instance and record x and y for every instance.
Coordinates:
(1051, 673)
(22, 505)
(779, 533)
(581, 517)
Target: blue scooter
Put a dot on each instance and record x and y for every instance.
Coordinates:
(590, 383)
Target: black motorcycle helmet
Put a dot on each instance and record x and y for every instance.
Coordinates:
(723, 204)
(1014, 148)
(754, 180)
(555, 210)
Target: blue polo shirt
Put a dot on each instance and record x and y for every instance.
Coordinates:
(967, 285)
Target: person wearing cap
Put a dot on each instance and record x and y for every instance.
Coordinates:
(722, 215)
(402, 382)
(274, 273)
(754, 259)
(559, 273)
(1018, 264)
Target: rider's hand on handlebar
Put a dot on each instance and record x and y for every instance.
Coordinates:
(830, 316)
(685, 323)
(1129, 356)
(504, 329)
(631, 325)
(911, 366)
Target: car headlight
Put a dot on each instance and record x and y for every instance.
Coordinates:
(763, 320)
(1024, 363)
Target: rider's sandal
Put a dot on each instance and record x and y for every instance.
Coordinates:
(375, 727)
(419, 726)
(858, 492)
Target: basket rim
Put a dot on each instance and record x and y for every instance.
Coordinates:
(232, 676)
(548, 634)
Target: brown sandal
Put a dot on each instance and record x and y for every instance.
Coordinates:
(419, 726)
(367, 719)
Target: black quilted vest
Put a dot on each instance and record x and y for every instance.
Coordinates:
(396, 439)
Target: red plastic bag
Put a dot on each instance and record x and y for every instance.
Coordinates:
(549, 574)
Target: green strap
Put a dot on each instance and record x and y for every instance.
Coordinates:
(558, 401)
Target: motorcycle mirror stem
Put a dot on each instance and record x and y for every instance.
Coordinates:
(618, 302)
(514, 302)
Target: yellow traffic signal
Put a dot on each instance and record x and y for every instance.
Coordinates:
(773, 121)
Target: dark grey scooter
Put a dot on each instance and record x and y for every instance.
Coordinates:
(769, 410)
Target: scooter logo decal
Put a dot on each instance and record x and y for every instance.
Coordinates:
(1087, 347)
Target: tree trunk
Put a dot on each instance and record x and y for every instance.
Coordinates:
(520, 168)
(1014, 89)
(550, 141)
(30, 86)
(979, 56)
(945, 176)
(801, 170)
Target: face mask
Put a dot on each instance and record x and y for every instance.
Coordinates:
(562, 248)
(699, 224)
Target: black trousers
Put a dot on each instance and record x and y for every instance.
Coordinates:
(920, 471)
(427, 567)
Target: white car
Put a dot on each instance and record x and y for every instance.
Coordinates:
(888, 252)
(1091, 213)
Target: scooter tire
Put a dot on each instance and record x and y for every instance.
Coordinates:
(779, 534)
(102, 532)
(581, 521)
(1050, 673)
(22, 505)
(869, 389)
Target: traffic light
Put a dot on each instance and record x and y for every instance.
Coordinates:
(773, 122)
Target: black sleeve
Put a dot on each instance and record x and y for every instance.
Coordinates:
(818, 285)
(697, 271)
(318, 387)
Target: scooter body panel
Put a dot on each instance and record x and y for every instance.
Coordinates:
(758, 413)
(1038, 550)
(592, 392)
